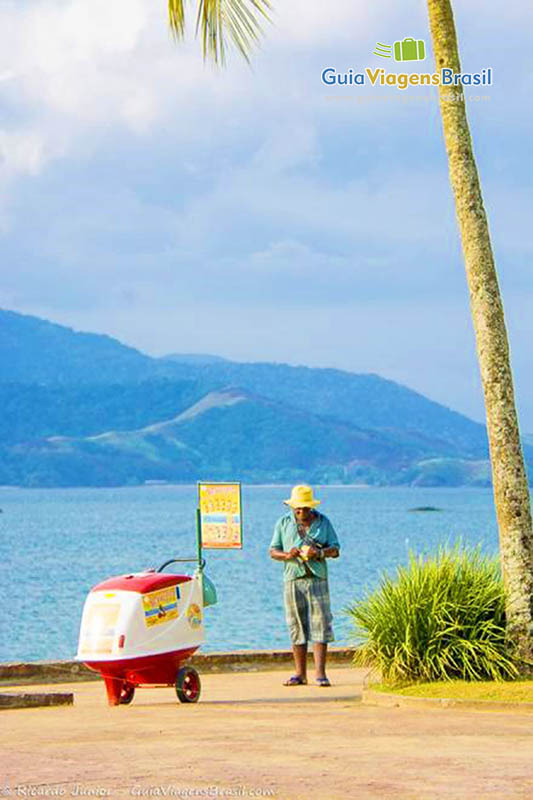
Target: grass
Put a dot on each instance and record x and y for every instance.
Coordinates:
(517, 691)
(439, 618)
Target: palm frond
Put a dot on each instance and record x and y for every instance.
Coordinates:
(240, 20)
(176, 17)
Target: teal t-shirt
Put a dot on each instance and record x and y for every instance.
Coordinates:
(286, 536)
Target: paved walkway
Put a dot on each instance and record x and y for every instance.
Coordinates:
(251, 737)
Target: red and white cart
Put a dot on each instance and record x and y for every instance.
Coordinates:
(140, 629)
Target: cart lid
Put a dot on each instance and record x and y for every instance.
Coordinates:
(142, 583)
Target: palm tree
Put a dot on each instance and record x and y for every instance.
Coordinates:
(510, 485)
(240, 20)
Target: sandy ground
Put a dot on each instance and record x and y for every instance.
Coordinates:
(251, 737)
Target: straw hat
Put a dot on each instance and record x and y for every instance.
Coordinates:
(302, 497)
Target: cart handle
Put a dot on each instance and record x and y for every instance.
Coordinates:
(180, 560)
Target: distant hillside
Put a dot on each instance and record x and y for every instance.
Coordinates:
(33, 350)
(84, 409)
(227, 432)
(193, 358)
(366, 401)
(38, 411)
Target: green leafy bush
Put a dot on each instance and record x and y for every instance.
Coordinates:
(439, 618)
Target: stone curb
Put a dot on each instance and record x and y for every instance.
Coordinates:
(238, 661)
(386, 700)
(35, 699)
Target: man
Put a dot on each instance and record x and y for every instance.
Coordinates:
(303, 539)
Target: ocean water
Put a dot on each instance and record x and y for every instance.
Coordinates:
(56, 544)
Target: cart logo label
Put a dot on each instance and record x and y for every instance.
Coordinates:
(194, 615)
(160, 606)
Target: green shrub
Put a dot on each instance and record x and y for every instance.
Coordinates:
(439, 618)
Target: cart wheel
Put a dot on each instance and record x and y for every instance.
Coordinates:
(126, 695)
(188, 685)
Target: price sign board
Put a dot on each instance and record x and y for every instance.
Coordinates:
(220, 514)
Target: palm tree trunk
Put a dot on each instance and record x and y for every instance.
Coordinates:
(511, 492)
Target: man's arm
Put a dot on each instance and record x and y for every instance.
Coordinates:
(332, 548)
(280, 555)
(276, 545)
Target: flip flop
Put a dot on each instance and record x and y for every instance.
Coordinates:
(322, 682)
(295, 680)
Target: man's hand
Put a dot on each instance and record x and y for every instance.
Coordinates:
(310, 553)
(294, 552)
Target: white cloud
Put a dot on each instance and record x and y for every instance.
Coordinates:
(404, 206)
(74, 65)
(311, 23)
(49, 37)
(22, 152)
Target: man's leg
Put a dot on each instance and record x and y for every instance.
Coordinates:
(321, 630)
(299, 652)
(320, 650)
(296, 616)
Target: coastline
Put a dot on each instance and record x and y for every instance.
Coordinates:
(29, 672)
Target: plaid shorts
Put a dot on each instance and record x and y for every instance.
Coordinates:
(307, 610)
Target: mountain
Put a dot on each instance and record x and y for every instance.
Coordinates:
(367, 401)
(193, 358)
(38, 411)
(36, 351)
(225, 432)
(33, 351)
(84, 409)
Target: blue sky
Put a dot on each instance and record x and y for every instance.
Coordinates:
(256, 213)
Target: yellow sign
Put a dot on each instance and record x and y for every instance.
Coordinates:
(160, 606)
(221, 518)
